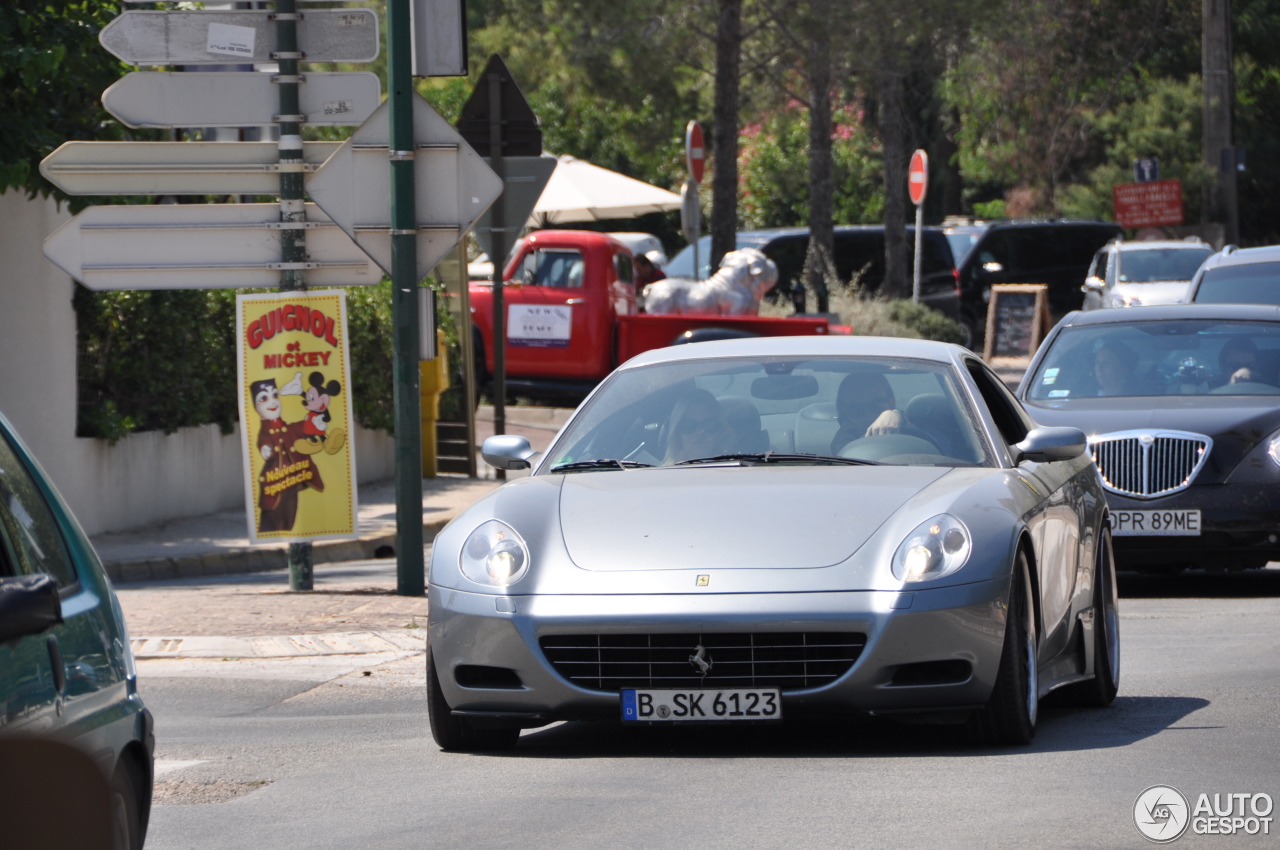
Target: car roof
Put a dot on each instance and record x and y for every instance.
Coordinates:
(1170, 312)
(1244, 256)
(1162, 244)
(803, 346)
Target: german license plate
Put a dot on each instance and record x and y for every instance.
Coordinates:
(662, 706)
(1155, 523)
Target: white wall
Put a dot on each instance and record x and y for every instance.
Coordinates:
(142, 479)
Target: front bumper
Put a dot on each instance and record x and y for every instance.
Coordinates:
(1240, 526)
(960, 623)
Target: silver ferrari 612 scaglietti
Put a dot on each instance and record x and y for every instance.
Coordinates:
(760, 530)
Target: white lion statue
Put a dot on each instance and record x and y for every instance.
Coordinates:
(735, 289)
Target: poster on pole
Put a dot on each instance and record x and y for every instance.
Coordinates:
(294, 383)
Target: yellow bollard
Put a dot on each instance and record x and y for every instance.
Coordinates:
(435, 380)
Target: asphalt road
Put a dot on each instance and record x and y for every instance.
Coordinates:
(335, 753)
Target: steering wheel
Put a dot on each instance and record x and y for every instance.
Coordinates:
(880, 446)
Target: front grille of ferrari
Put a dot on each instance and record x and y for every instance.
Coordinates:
(1149, 464)
(787, 661)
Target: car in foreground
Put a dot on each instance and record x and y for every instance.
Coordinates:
(1133, 274)
(1181, 404)
(66, 668)
(762, 529)
(1238, 276)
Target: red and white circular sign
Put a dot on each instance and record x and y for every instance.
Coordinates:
(695, 153)
(918, 176)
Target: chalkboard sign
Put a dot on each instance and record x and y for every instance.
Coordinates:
(1017, 318)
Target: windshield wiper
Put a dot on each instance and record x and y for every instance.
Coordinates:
(781, 457)
(600, 463)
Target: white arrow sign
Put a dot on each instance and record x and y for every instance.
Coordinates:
(173, 168)
(453, 186)
(200, 246)
(238, 99)
(222, 37)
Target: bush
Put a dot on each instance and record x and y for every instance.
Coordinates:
(871, 315)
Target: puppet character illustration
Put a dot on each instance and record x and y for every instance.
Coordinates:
(284, 471)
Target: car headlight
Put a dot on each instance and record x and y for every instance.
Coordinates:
(494, 555)
(1125, 301)
(937, 547)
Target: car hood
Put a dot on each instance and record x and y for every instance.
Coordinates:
(749, 517)
(1235, 423)
(1155, 292)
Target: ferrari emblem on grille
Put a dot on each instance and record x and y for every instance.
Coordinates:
(703, 581)
(700, 661)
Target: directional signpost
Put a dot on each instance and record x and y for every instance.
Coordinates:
(200, 246)
(173, 168)
(917, 188)
(239, 99)
(452, 186)
(219, 37)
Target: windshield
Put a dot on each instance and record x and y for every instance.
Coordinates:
(1160, 264)
(1188, 357)
(773, 411)
(1256, 283)
(962, 239)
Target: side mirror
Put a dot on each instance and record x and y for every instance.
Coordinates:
(1093, 284)
(28, 606)
(1045, 445)
(507, 451)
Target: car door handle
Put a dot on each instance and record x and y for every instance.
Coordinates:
(55, 660)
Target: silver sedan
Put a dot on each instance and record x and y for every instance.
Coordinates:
(765, 530)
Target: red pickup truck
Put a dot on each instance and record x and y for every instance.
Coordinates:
(570, 299)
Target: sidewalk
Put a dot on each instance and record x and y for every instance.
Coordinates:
(218, 544)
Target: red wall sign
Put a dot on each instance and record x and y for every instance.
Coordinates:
(1155, 204)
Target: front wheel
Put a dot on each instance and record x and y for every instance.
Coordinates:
(463, 734)
(1100, 691)
(1009, 717)
(126, 811)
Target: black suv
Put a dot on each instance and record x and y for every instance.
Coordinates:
(1056, 253)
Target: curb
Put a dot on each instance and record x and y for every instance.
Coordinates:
(288, 646)
(257, 559)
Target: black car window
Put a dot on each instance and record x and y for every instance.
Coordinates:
(860, 255)
(1151, 358)
(1080, 241)
(935, 254)
(994, 248)
(788, 254)
(1042, 248)
(1011, 420)
(31, 535)
(1256, 283)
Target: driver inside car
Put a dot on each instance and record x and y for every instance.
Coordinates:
(697, 428)
(865, 408)
(1238, 362)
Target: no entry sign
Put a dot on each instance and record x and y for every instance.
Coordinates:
(695, 151)
(918, 177)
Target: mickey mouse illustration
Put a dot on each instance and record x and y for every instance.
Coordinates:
(316, 425)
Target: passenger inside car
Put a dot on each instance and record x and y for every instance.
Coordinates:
(1113, 367)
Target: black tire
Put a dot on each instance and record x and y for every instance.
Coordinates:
(1009, 717)
(463, 734)
(127, 831)
(1100, 691)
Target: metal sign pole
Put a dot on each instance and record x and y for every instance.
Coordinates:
(499, 242)
(410, 566)
(915, 277)
(292, 212)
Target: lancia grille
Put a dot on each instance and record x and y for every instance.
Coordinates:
(787, 661)
(1149, 464)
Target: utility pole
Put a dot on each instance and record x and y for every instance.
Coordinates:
(293, 234)
(410, 564)
(500, 244)
(1220, 205)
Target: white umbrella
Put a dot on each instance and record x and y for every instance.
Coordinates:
(580, 191)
